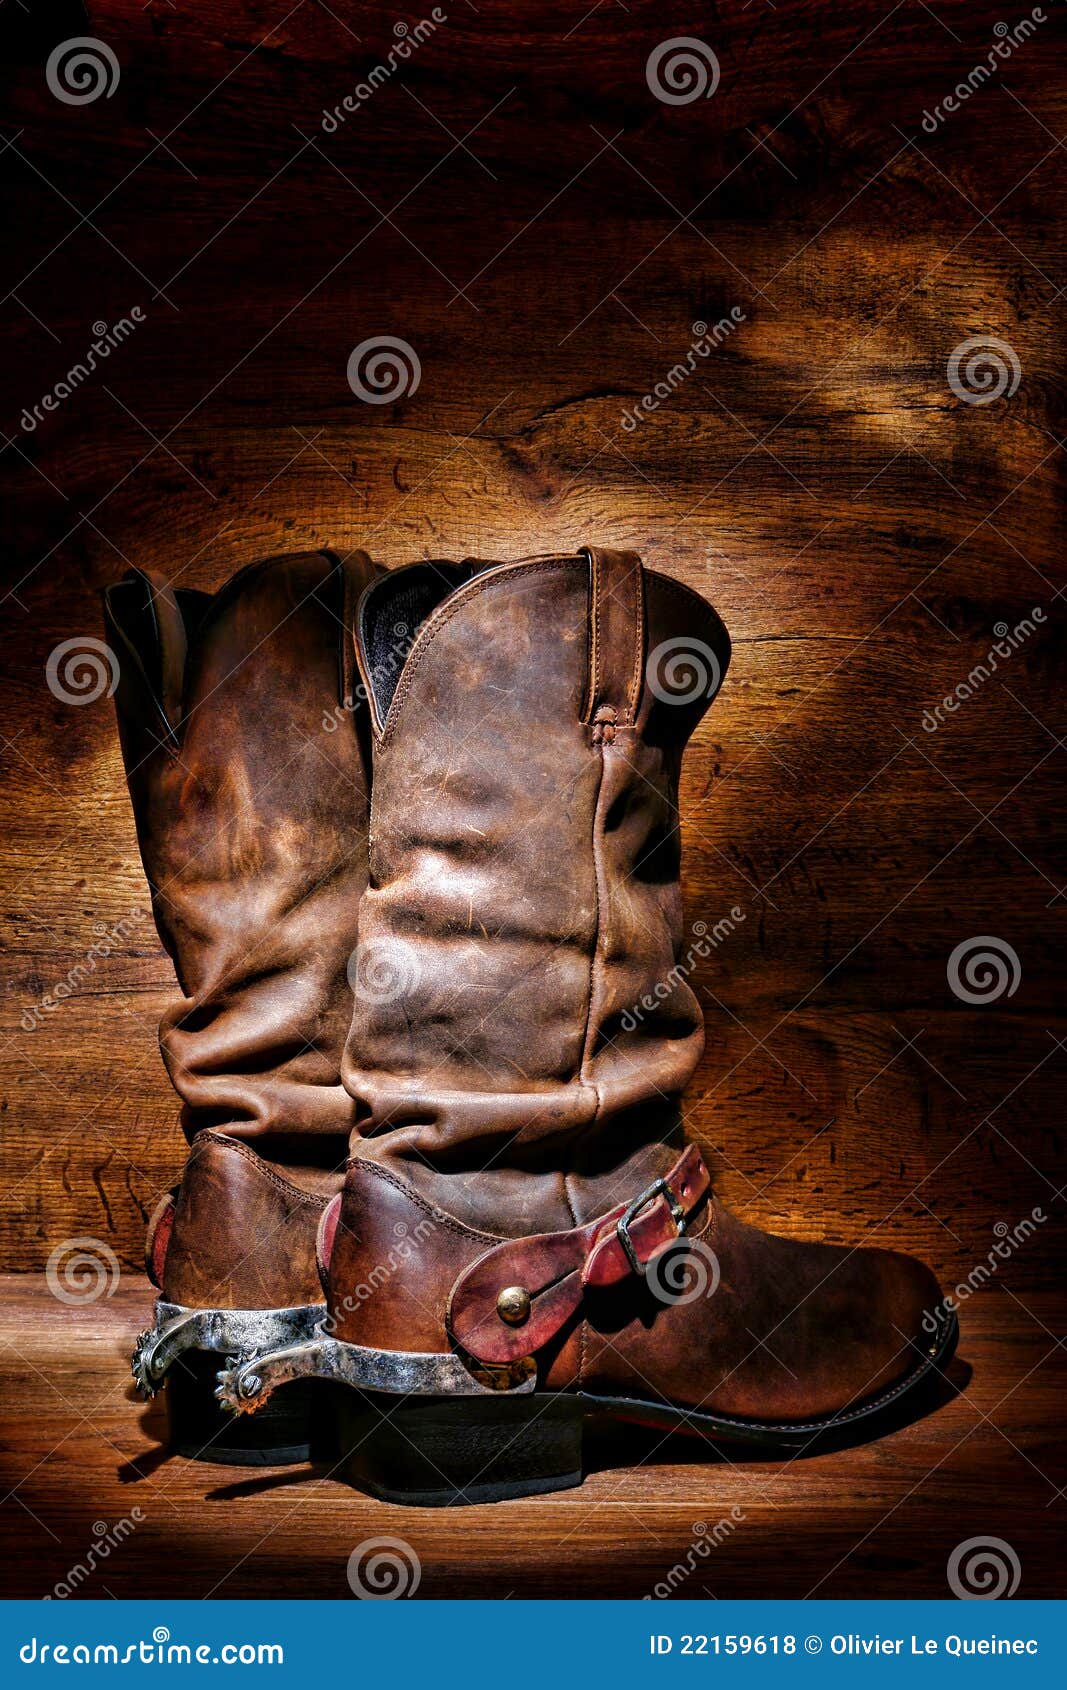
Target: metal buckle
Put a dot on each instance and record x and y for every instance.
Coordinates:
(658, 1188)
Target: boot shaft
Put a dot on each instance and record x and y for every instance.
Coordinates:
(523, 893)
(241, 741)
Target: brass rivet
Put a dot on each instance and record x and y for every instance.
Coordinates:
(513, 1305)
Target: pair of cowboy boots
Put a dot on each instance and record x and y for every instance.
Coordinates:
(522, 1239)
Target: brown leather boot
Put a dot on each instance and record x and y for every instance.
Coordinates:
(524, 1239)
(241, 723)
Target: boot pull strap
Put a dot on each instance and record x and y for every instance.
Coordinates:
(357, 572)
(146, 619)
(616, 640)
(173, 646)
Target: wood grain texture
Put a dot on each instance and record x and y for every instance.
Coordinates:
(516, 205)
(881, 1519)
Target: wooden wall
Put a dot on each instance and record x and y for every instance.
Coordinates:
(518, 206)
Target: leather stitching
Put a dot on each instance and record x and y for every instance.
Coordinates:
(259, 1166)
(440, 1217)
(465, 594)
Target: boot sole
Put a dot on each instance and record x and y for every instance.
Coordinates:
(447, 1453)
(181, 1353)
(201, 1430)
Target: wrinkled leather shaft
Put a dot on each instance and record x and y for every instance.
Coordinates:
(523, 895)
(241, 734)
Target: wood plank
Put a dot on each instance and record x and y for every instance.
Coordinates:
(884, 1516)
(862, 556)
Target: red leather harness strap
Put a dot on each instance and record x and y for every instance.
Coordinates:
(546, 1274)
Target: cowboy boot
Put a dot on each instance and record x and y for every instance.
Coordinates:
(524, 1238)
(241, 727)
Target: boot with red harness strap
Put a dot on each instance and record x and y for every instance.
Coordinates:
(524, 1240)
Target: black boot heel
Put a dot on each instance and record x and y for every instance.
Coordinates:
(443, 1452)
(200, 1428)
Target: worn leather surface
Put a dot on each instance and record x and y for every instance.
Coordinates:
(243, 737)
(244, 1233)
(524, 894)
(556, 1269)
